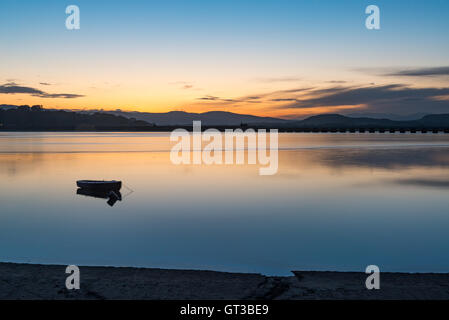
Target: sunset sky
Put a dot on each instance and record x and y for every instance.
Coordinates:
(273, 58)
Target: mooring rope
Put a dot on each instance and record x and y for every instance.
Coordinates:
(129, 189)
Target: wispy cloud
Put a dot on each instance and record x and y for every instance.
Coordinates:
(267, 98)
(14, 88)
(295, 90)
(248, 99)
(210, 98)
(336, 81)
(394, 97)
(436, 71)
(183, 84)
(283, 99)
(278, 79)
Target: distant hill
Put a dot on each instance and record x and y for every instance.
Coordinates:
(218, 118)
(37, 119)
(336, 120)
(389, 116)
(344, 122)
(435, 120)
(222, 118)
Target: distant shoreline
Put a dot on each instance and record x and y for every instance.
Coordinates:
(223, 128)
(47, 282)
(37, 119)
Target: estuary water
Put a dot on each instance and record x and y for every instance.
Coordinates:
(338, 202)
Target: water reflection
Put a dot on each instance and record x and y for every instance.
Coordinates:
(112, 196)
(338, 202)
(424, 182)
(387, 158)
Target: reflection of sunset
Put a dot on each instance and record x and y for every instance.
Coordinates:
(335, 191)
(318, 163)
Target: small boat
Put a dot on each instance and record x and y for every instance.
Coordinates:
(96, 185)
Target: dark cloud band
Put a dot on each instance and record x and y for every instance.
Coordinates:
(438, 71)
(394, 97)
(13, 88)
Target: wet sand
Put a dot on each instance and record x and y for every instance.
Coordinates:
(37, 282)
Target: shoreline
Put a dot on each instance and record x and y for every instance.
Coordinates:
(415, 131)
(47, 282)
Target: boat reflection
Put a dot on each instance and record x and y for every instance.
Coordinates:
(113, 196)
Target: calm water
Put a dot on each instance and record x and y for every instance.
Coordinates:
(338, 202)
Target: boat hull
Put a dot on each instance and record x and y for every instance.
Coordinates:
(99, 185)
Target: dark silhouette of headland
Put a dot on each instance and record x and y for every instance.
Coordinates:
(36, 118)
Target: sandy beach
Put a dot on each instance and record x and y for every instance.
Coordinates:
(47, 282)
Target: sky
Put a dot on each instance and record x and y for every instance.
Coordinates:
(279, 58)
